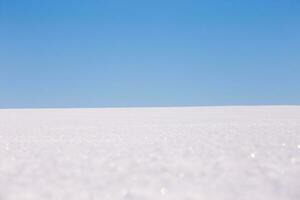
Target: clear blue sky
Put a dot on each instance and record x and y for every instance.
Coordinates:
(94, 53)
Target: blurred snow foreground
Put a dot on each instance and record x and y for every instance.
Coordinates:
(194, 153)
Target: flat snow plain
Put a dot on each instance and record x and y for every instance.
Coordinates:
(192, 153)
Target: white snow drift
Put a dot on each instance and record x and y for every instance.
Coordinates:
(194, 153)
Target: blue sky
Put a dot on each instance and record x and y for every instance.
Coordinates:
(93, 53)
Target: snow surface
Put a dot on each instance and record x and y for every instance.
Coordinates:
(151, 153)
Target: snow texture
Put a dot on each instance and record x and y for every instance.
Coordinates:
(193, 153)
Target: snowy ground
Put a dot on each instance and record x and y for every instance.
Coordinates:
(207, 153)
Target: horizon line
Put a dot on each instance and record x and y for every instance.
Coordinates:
(145, 107)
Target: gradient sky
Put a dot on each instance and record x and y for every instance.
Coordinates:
(94, 53)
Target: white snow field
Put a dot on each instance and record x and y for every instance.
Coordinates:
(192, 153)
